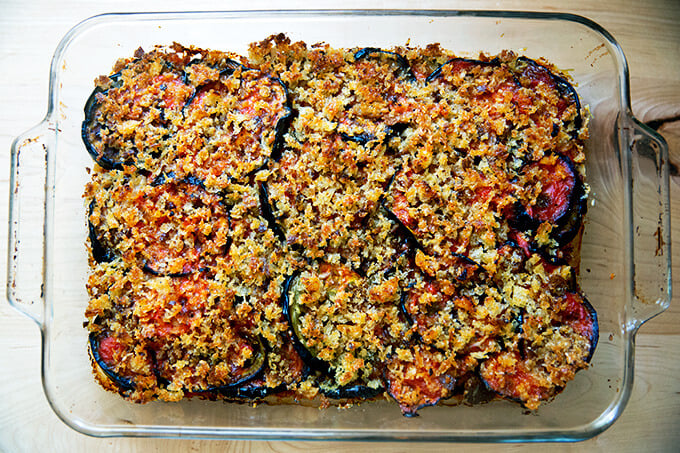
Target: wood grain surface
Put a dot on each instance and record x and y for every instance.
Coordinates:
(649, 33)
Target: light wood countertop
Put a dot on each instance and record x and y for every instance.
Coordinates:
(649, 33)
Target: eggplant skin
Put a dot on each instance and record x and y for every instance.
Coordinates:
(361, 139)
(403, 298)
(100, 252)
(365, 138)
(256, 369)
(563, 86)
(282, 124)
(437, 72)
(254, 372)
(90, 107)
(124, 385)
(522, 381)
(567, 224)
(150, 270)
(268, 211)
(226, 67)
(405, 231)
(251, 391)
(306, 356)
(401, 61)
(352, 392)
(594, 336)
(572, 224)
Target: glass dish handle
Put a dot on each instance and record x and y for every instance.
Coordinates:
(25, 260)
(649, 171)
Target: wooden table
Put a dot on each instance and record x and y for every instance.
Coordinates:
(648, 31)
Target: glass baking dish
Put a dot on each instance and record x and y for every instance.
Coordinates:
(625, 267)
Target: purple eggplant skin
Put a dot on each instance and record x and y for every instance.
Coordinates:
(227, 68)
(170, 176)
(361, 139)
(437, 72)
(103, 254)
(395, 129)
(150, 270)
(364, 138)
(292, 315)
(282, 124)
(402, 229)
(478, 273)
(100, 252)
(572, 224)
(251, 391)
(568, 224)
(231, 66)
(162, 179)
(564, 87)
(125, 385)
(255, 371)
(267, 211)
(596, 328)
(402, 62)
(90, 107)
(403, 297)
(352, 392)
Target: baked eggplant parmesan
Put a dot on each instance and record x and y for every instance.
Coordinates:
(307, 223)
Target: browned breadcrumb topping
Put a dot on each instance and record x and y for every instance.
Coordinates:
(345, 224)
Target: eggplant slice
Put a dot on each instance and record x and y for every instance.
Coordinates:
(422, 379)
(240, 119)
(460, 64)
(124, 384)
(251, 370)
(401, 62)
(352, 392)
(533, 72)
(459, 267)
(321, 306)
(100, 252)
(532, 373)
(255, 389)
(90, 130)
(292, 311)
(160, 219)
(562, 200)
(354, 124)
(578, 313)
(110, 131)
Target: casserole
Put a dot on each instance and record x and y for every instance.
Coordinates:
(625, 266)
